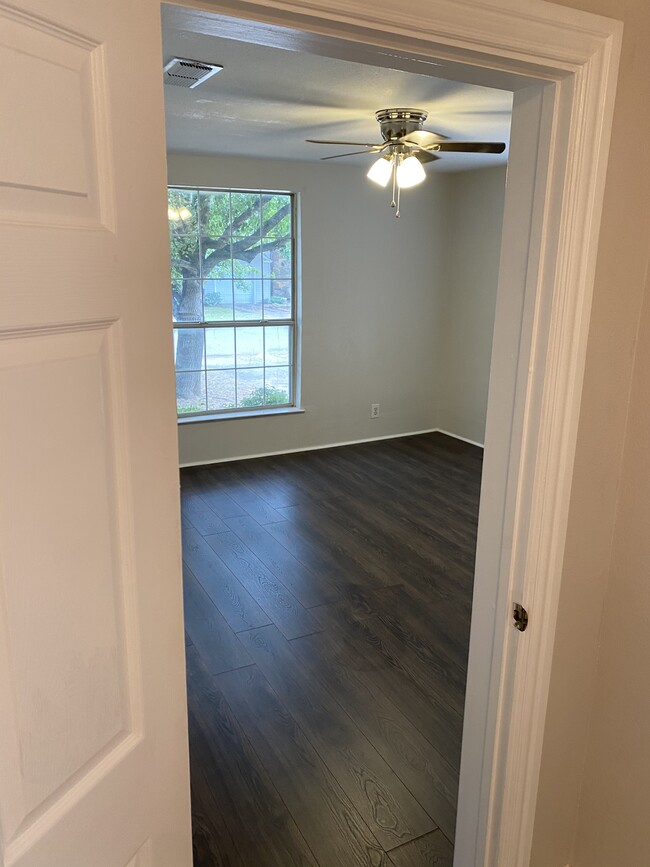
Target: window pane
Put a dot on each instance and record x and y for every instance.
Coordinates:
(278, 386)
(221, 389)
(216, 257)
(250, 347)
(247, 258)
(182, 214)
(248, 299)
(189, 349)
(278, 266)
(245, 215)
(276, 215)
(277, 344)
(187, 304)
(250, 387)
(217, 300)
(277, 299)
(215, 214)
(190, 392)
(220, 347)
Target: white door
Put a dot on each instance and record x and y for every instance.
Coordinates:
(93, 744)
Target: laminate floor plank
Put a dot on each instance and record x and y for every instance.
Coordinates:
(307, 477)
(214, 640)
(355, 470)
(213, 843)
(273, 486)
(440, 625)
(389, 809)
(327, 622)
(309, 588)
(200, 515)
(230, 596)
(339, 538)
(380, 538)
(432, 850)
(207, 483)
(252, 504)
(330, 562)
(272, 596)
(333, 665)
(280, 488)
(434, 494)
(233, 791)
(391, 491)
(433, 717)
(437, 675)
(333, 829)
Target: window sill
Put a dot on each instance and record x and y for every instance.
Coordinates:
(224, 416)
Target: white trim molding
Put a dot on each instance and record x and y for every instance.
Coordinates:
(561, 65)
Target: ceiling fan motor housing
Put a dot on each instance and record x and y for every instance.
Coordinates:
(397, 122)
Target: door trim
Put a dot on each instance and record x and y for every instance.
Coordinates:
(562, 65)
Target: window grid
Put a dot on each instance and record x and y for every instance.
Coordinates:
(284, 381)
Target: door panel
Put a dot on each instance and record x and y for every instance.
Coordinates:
(93, 744)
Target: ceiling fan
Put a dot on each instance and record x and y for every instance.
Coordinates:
(405, 147)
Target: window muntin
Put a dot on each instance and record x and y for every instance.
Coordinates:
(233, 296)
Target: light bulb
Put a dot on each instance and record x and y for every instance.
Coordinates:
(173, 215)
(410, 172)
(380, 171)
(184, 214)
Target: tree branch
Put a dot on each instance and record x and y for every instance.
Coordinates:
(243, 249)
(246, 214)
(279, 215)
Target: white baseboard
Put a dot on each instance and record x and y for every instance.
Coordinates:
(326, 446)
(457, 437)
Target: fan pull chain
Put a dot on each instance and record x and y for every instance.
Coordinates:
(392, 204)
(398, 162)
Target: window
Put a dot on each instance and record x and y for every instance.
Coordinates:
(233, 296)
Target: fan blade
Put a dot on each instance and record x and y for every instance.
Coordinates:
(425, 156)
(422, 138)
(361, 144)
(471, 147)
(374, 150)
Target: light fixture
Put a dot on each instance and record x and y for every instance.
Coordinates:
(381, 170)
(405, 171)
(183, 214)
(409, 172)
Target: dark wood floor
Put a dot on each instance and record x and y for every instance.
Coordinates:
(327, 605)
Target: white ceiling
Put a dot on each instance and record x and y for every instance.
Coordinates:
(267, 101)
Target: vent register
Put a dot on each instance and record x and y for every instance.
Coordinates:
(188, 73)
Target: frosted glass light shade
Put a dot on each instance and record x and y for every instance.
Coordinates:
(173, 215)
(184, 214)
(410, 173)
(380, 171)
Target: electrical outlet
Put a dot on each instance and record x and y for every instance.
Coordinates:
(374, 410)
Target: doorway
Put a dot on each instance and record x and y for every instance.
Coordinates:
(236, 552)
(536, 106)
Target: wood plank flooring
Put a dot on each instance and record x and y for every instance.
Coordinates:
(327, 613)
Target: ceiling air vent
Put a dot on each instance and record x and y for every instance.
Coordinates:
(188, 73)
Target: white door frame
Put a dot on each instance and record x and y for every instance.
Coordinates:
(562, 65)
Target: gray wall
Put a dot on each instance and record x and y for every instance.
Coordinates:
(375, 293)
(473, 226)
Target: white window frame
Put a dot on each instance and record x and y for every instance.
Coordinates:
(292, 321)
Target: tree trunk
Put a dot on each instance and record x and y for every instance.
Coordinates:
(189, 346)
